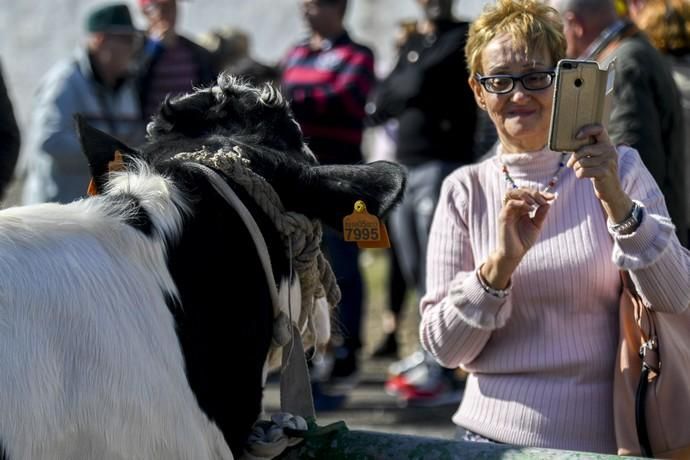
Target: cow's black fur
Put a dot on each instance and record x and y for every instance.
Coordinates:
(224, 322)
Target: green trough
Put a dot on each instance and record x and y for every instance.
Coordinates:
(337, 442)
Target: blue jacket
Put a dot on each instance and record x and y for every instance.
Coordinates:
(55, 167)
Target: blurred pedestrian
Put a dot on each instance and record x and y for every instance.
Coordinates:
(231, 52)
(170, 63)
(383, 147)
(436, 127)
(96, 83)
(9, 138)
(328, 77)
(667, 24)
(647, 112)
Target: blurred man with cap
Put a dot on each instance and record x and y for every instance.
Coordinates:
(169, 64)
(94, 82)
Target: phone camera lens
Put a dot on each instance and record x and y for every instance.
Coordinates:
(578, 82)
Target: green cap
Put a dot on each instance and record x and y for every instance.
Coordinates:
(110, 18)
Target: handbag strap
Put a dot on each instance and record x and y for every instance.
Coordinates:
(649, 349)
(641, 413)
(651, 363)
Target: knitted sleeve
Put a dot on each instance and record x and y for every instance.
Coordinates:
(458, 315)
(658, 263)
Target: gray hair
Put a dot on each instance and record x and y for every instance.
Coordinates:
(584, 8)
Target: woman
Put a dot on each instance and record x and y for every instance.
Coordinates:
(667, 24)
(525, 251)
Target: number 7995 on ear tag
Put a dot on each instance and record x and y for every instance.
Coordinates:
(365, 229)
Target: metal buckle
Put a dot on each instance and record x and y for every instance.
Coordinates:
(648, 345)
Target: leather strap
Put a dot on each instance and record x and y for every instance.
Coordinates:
(295, 388)
(641, 413)
(629, 30)
(649, 352)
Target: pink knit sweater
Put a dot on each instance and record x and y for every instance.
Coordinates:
(542, 359)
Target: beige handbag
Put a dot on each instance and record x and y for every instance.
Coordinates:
(651, 398)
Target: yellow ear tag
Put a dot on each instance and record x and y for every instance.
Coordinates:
(116, 165)
(365, 229)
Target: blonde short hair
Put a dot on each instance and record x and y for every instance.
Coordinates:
(530, 23)
(667, 24)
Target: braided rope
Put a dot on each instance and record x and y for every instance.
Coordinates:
(299, 233)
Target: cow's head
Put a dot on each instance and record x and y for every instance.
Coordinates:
(232, 123)
(225, 318)
(257, 122)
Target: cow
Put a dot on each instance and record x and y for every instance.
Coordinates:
(136, 323)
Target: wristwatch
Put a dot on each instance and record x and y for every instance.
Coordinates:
(630, 223)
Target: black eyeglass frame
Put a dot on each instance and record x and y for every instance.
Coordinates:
(482, 79)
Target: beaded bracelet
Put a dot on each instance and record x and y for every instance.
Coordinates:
(499, 293)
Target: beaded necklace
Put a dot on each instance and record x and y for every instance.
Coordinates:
(551, 184)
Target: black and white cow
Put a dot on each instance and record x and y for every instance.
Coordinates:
(135, 324)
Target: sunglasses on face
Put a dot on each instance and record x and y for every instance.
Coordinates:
(503, 84)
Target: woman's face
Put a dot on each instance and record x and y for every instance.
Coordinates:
(521, 116)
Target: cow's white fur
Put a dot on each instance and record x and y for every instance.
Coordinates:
(90, 366)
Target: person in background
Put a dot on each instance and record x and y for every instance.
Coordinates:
(327, 78)
(667, 25)
(647, 112)
(436, 127)
(169, 63)
(9, 138)
(94, 83)
(526, 250)
(383, 147)
(230, 50)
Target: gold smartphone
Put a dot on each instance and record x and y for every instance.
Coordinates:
(583, 96)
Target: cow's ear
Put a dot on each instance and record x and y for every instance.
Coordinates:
(329, 192)
(100, 149)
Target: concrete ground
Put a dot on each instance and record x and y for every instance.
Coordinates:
(369, 407)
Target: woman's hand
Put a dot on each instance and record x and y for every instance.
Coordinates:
(520, 223)
(599, 162)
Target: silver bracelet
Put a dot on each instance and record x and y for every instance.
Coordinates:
(630, 223)
(500, 293)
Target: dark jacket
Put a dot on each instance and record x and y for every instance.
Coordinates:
(9, 138)
(428, 93)
(151, 53)
(647, 115)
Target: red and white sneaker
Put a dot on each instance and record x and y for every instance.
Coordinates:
(407, 363)
(426, 384)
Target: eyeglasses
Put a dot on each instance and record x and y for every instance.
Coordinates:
(503, 84)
